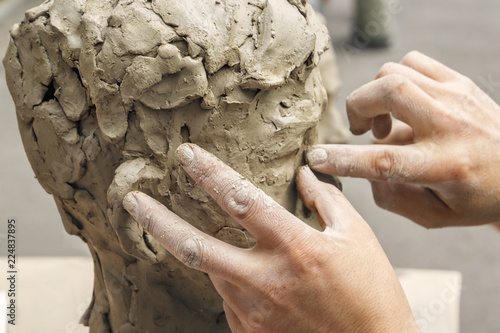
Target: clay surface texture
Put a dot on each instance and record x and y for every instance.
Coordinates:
(106, 90)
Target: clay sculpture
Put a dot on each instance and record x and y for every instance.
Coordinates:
(106, 90)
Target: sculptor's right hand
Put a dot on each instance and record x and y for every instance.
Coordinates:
(296, 278)
(440, 167)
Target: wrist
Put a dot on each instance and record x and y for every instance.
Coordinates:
(400, 321)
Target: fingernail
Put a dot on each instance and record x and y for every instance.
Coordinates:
(130, 203)
(316, 156)
(184, 154)
(307, 170)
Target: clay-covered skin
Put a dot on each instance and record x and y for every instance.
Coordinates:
(105, 91)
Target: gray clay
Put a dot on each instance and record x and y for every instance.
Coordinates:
(106, 90)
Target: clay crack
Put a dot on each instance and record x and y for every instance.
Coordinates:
(21, 69)
(74, 221)
(35, 138)
(251, 37)
(115, 3)
(172, 25)
(78, 76)
(50, 94)
(98, 46)
(130, 284)
(258, 4)
(300, 8)
(148, 244)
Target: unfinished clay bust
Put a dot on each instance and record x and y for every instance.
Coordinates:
(105, 91)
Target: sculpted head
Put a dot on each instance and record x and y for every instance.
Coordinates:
(105, 92)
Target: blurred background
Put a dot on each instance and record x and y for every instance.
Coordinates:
(460, 33)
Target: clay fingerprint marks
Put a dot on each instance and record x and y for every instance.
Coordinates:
(49, 134)
(13, 74)
(137, 63)
(138, 174)
(300, 4)
(284, 42)
(130, 30)
(28, 69)
(166, 81)
(65, 17)
(115, 34)
(141, 30)
(153, 124)
(104, 92)
(55, 149)
(28, 61)
(205, 25)
(71, 95)
(317, 24)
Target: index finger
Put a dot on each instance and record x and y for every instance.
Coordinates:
(191, 246)
(392, 94)
(398, 164)
(429, 67)
(265, 219)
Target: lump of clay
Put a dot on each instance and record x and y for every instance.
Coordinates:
(106, 90)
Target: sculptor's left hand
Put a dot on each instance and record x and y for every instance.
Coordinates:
(295, 279)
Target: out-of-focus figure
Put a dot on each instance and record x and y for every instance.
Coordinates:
(372, 25)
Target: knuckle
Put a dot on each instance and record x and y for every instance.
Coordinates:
(394, 86)
(385, 165)
(461, 169)
(306, 254)
(350, 103)
(411, 57)
(397, 84)
(261, 311)
(241, 200)
(191, 251)
(466, 82)
(387, 69)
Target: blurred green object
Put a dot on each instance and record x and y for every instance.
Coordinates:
(373, 23)
(316, 4)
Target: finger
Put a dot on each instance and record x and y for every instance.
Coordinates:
(401, 134)
(232, 319)
(192, 247)
(333, 209)
(428, 85)
(399, 164)
(226, 289)
(243, 311)
(416, 203)
(234, 305)
(261, 215)
(381, 126)
(393, 94)
(429, 67)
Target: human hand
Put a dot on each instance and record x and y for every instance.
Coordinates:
(441, 169)
(497, 225)
(295, 279)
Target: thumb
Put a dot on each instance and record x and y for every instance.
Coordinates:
(417, 203)
(332, 207)
(401, 134)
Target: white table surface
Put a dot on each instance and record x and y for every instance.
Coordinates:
(54, 292)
